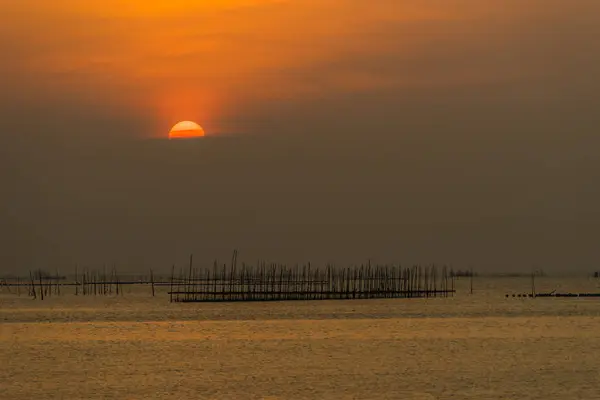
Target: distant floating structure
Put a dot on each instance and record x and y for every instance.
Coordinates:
(553, 293)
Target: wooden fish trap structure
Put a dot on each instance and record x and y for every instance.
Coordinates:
(98, 283)
(106, 282)
(275, 282)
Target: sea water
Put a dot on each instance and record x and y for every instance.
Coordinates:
(470, 346)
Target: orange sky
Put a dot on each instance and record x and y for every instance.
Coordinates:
(449, 130)
(188, 59)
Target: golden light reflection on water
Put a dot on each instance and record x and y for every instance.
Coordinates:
(265, 330)
(467, 347)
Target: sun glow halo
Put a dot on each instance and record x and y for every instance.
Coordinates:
(186, 130)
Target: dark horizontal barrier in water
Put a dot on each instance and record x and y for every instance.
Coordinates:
(274, 296)
(556, 295)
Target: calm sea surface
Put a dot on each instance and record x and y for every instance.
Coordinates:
(482, 346)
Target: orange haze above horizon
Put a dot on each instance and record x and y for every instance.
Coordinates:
(186, 59)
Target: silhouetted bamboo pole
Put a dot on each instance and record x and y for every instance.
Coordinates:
(171, 289)
(471, 280)
(76, 282)
(32, 285)
(152, 280)
(190, 274)
(41, 285)
(118, 283)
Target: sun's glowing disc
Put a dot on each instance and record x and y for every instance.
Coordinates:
(186, 130)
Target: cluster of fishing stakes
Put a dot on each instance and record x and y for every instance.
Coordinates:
(88, 283)
(265, 282)
(259, 282)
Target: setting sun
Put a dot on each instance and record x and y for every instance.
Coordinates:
(186, 130)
